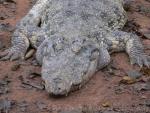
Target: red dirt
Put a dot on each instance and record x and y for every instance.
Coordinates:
(102, 88)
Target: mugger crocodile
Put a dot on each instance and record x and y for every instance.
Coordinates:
(72, 38)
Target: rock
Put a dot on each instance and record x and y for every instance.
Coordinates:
(143, 97)
(147, 86)
(118, 89)
(114, 65)
(4, 85)
(147, 103)
(3, 16)
(112, 69)
(142, 87)
(138, 87)
(42, 106)
(106, 104)
(145, 33)
(144, 10)
(5, 106)
(127, 80)
(30, 84)
(34, 74)
(30, 53)
(23, 106)
(145, 71)
(134, 74)
(15, 67)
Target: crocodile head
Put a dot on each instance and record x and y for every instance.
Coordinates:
(66, 68)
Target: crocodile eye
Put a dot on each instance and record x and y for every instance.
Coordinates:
(76, 46)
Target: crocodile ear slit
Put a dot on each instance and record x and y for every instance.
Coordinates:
(94, 54)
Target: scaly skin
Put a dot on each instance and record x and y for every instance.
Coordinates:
(73, 39)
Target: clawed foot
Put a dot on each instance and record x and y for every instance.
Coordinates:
(141, 60)
(11, 54)
(135, 50)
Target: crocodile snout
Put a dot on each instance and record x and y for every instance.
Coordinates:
(57, 86)
(67, 69)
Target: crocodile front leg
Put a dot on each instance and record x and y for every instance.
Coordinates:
(132, 45)
(23, 36)
(136, 53)
(20, 44)
(34, 16)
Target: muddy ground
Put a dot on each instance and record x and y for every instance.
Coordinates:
(109, 91)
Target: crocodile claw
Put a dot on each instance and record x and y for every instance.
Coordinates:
(11, 54)
(141, 60)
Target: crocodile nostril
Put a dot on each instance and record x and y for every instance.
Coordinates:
(59, 88)
(57, 80)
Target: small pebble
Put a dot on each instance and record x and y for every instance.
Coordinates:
(134, 74)
(15, 67)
